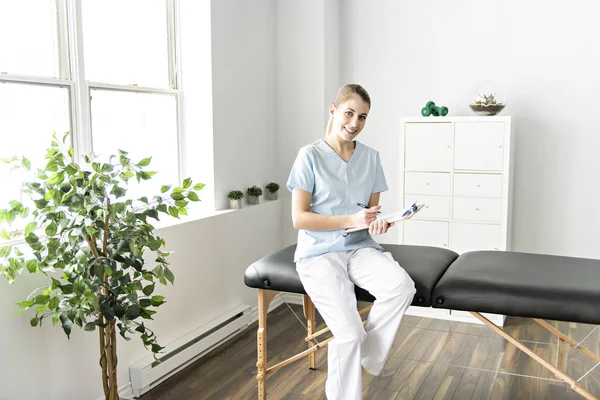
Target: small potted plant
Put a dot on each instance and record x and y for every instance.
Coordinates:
(253, 193)
(272, 189)
(235, 199)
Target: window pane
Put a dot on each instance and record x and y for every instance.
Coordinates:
(28, 37)
(144, 125)
(126, 41)
(29, 115)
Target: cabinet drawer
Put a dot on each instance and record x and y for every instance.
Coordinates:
(477, 209)
(436, 207)
(470, 237)
(428, 146)
(478, 185)
(426, 233)
(427, 183)
(479, 146)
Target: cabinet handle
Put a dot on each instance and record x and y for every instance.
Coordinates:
(478, 185)
(495, 248)
(476, 209)
(445, 245)
(426, 183)
(500, 146)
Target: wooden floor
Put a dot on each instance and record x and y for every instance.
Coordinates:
(430, 359)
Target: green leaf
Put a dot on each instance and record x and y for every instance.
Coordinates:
(90, 326)
(25, 162)
(50, 194)
(91, 230)
(53, 303)
(148, 290)
(199, 186)
(193, 196)
(4, 234)
(145, 162)
(155, 244)
(32, 266)
(66, 324)
(51, 229)
(145, 302)
(126, 175)
(157, 300)
(31, 238)
(56, 178)
(133, 311)
(156, 348)
(107, 311)
(34, 321)
(169, 275)
(9, 216)
(15, 205)
(174, 211)
(119, 310)
(41, 299)
(30, 228)
(177, 196)
(26, 304)
(5, 251)
(81, 256)
(187, 182)
(165, 188)
(107, 168)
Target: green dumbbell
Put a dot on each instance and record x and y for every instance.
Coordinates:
(431, 109)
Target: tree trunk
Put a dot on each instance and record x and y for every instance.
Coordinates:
(108, 360)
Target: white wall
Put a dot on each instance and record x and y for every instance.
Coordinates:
(547, 57)
(244, 95)
(308, 76)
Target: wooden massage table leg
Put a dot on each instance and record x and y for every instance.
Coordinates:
(309, 314)
(559, 374)
(562, 340)
(264, 299)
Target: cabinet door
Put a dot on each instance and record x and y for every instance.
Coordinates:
(428, 146)
(436, 207)
(477, 185)
(426, 233)
(479, 146)
(432, 183)
(471, 237)
(477, 209)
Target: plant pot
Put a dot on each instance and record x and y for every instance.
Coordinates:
(252, 200)
(271, 196)
(235, 204)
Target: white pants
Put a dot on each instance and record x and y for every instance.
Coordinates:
(329, 281)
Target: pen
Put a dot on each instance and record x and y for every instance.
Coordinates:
(365, 206)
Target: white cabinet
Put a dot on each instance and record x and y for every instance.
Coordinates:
(461, 168)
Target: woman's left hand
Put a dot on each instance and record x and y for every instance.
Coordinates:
(379, 227)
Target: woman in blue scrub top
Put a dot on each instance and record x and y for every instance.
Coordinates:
(329, 177)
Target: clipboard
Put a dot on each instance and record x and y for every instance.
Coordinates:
(400, 215)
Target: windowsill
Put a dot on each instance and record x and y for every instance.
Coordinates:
(167, 221)
(204, 214)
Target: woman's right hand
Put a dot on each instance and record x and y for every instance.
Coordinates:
(365, 217)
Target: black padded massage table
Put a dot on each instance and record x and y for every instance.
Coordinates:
(509, 283)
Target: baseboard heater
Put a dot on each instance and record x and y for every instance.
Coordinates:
(148, 373)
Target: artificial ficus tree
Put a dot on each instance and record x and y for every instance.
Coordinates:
(92, 242)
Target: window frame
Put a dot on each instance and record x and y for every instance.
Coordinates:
(72, 76)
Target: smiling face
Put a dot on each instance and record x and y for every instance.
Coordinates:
(349, 117)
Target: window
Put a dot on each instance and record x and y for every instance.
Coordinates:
(103, 70)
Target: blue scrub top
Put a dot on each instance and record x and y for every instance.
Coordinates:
(336, 187)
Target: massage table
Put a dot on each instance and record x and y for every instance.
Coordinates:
(527, 285)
